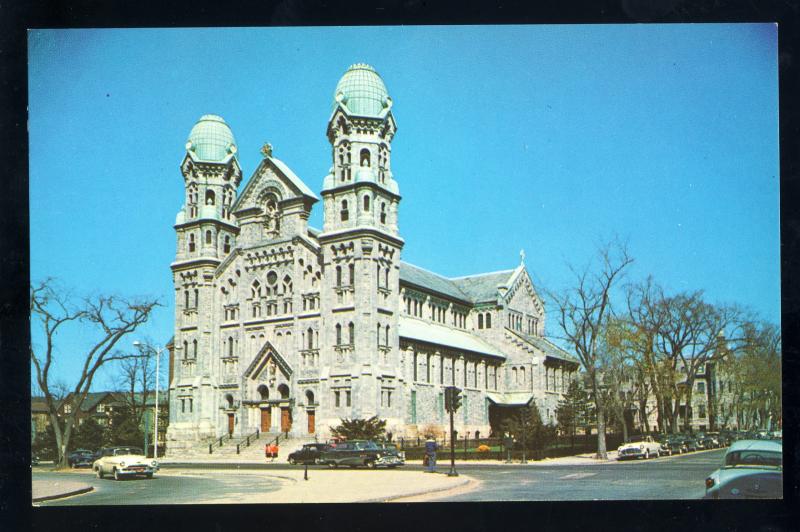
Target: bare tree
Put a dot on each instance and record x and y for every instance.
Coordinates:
(110, 317)
(135, 379)
(582, 313)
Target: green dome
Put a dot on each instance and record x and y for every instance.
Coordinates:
(211, 139)
(362, 91)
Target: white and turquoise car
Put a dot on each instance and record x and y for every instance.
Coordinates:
(751, 469)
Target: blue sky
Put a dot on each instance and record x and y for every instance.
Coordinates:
(547, 138)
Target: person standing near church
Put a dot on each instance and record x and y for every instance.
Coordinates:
(430, 453)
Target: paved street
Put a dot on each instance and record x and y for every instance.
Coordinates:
(677, 477)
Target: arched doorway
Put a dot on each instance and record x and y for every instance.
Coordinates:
(310, 411)
(266, 411)
(286, 413)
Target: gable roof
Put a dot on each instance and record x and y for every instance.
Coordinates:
(283, 169)
(483, 286)
(414, 275)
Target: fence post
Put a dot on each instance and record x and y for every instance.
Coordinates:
(237, 448)
(210, 448)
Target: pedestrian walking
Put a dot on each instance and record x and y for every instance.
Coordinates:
(430, 453)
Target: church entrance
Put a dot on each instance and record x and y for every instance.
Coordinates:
(266, 419)
(230, 424)
(311, 422)
(286, 419)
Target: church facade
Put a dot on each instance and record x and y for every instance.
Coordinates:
(283, 327)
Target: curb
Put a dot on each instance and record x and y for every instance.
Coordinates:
(399, 498)
(63, 495)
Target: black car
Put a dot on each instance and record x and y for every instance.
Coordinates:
(671, 445)
(689, 443)
(310, 453)
(80, 458)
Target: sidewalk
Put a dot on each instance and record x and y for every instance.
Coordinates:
(44, 490)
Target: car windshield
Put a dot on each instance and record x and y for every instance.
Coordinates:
(128, 450)
(754, 458)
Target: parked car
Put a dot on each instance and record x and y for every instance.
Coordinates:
(392, 456)
(751, 469)
(644, 448)
(689, 443)
(35, 459)
(359, 453)
(706, 440)
(310, 453)
(671, 445)
(124, 462)
(81, 458)
(78, 453)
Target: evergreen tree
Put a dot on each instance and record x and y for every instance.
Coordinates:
(527, 428)
(124, 428)
(89, 435)
(360, 429)
(573, 411)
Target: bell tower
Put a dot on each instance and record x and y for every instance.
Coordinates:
(206, 232)
(361, 249)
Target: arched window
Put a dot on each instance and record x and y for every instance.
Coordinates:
(387, 278)
(338, 334)
(514, 375)
(351, 330)
(255, 290)
(230, 346)
(386, 339)
(196, 297)
(366, 203)
(287, 285)
(194, 348)
(185, 299)
(480, 321)
(352, 268)
(310, 397)
(229, 400)
(378, 335)
(185, 349)
(338, 276)
(263, 392)
(488, 320)
(284, 391)
(345, 214)
(226, 247)
(208, 237)
(210, 198)
(310, 336)
(522, 375)
(383, 213)
(365, 157)
(191, 242)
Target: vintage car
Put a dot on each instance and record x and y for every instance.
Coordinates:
(391, 455)
(671, 445)
(644, 448)
(356, 453)
(121, 462)
(689, 443)
(751, 469)
(310, 453)
(80, 458)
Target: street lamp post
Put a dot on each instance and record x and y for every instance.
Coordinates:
(158, 350)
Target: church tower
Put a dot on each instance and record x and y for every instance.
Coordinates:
(360, 247)
(206, 233)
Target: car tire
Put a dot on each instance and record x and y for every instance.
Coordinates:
(658, 454)
(117, 476)
(646, 454)
(98, 473)
(292, 461)
(370, 464)
(148, 475)
(333, 465)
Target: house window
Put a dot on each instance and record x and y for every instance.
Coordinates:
(701, 410)
(191, 404)
(183, 406)
(67, 409)
(230, 346)
(389, 398)
(310, 336)
(386, 343)
(701, 387)
(415, 365)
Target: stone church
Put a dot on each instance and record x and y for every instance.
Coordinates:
(283, 327)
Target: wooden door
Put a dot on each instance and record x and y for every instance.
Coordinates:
(311, 422)
(266, 419)
(230, 424)
(286, 420)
